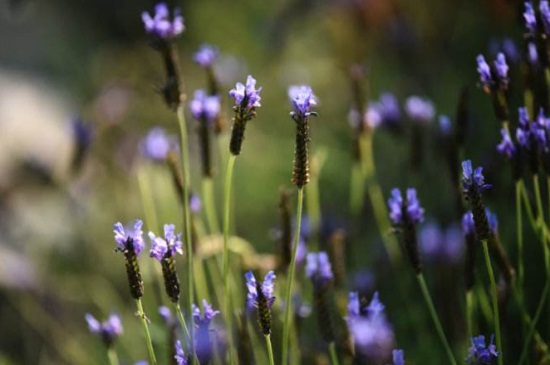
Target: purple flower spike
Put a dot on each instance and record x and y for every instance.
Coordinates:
(205, 107)
(468, 225)
(266, 287)
(414, 211)
(206, 55)
(408, 211)
(530, 19)
(180, 357)
(354, 306)
(160, 24)
(318, 268)
(170, 243)
(419, 109)
(473, 180)
(501, 68)
(506, 146)
(395, 203)
(484, 72)
(158, 247)
(129, 238)
(398, 357)
(480, 353)
(545, 15)
(207, 315)
(157, 145)
(108, 330)
(246, 96)
(302, 99)
(445, 125)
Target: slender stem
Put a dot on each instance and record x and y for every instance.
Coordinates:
(181, 318)
(527, 205)
(470, 312)
(290, 278)
(519, 230)
(226, 296)
(209, 206)
(269, 349)
(495, 297)
(540, 212)
(435, 318)
(186, 214)
(357, 189)
(313, 207)
(112, 355)
(144, 320)
(333, 354)
(533, 325)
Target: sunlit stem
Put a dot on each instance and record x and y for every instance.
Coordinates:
(112, 356)
(144, 320)
(333, 354)
(269, 349)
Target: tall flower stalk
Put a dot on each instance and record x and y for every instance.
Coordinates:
(302, 99)
(130, 243)
(247, 99)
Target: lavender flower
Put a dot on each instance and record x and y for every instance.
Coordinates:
(108, 330)
(204, 107)
(166, 315)
(195, 203)
(473, 181)
(402, 212)
(501, 67)
(445, 126)
(302, 100)
(157, 145)
(484, 72)
(318, 269)
(506, 147)
(203, 344)
(532, 53)
(545, 16)
(247, 99)
(384, 112)
(129, 239)
(180, 356)
(160, 24)
(260, 296)
(206, 55)
(170, 244)
(398, 357)
(372, 334)
(419, 109)
(530, 19)
(441, 245)
(480, 353)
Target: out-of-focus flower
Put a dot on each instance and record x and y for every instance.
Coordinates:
(529, 17)
(205, 107)
(398, 357)
(440, 245)
(108, 330)
(318, 268)
(160, 24)
(180, 357)
(206, 55)
(383, 112)
(419, 109)
(506, 147)
(157, 144)
(480, 353)
(203, 344)
(401, 211)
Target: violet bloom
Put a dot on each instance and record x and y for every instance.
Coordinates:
(440, 245)
(195, 204)
(302, 99)
(398, 357)
(166, 315)
(157, 145)
(480, 353)
(419, 109)
(171, 243)
(129, 238)
(523, 130)
(473, 181)
(532, 53)
(506, 147)
(468, 225)
(484, 72)
(206, 56)
(403, 212)
(530, 19)
(203, 344)
(445, 125)
(181, 358)
(372, 334)
(205, 107)
(160, 24)
(545, 15)
(318, 269)
(266, 289)
(108, 330)
(501, 68)
(383, 112)
(246, 96)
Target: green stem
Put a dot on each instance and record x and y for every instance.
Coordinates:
(333, 354)
(112, 355)
(143, 319)
(435, 318)
(519, 229)
(269, 349)
(357, 189)
(226, 208)
(495, 298)
(313, 206)
(533, 325)
(527, 206)
(470, 312)
(209, 207)
(186, 215)
(181, 318)
(540, 212)
(290, 278)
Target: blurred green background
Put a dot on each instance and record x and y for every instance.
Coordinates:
(63, 59)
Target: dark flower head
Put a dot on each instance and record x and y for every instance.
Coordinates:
(468, 225)
(405, 211)
(419, 109)
(170, 243)
(157, 144)
(180, 357)
(480, 353)
(530, 19)
(160, 24)
(205, 107)
(302, 99)
(206, 55)
(108, 330)
(473, 180)
(398, 357)
(246, 96)
(506, 146)
(545, 15)
(318, 268)
(207, 315)
(267, 287)
(128, 237)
